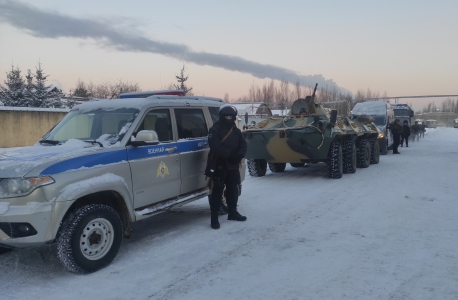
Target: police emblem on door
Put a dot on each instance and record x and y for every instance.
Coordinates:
(162, 170)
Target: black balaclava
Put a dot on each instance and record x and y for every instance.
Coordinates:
(227, 110)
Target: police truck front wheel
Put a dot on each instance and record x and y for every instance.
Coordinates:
(89, 238)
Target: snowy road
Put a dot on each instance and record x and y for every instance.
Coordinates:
(386, 232)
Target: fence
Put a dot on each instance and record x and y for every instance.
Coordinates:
(24, 126)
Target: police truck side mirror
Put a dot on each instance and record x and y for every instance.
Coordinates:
(145, 137)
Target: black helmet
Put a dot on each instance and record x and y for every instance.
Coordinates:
(405, 122)
(228, 110)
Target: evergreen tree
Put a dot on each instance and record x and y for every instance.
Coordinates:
(12, 94)
(29, 91)
(45, 95)
(81, 90)
(182, 82)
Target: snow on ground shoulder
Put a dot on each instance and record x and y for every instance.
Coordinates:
(385, 232)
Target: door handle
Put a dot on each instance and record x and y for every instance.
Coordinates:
(171, 149)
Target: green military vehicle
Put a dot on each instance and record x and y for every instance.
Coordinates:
(311, 134)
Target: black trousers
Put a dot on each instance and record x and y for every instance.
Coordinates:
(396, 139)
(230, 180)
(405, 138)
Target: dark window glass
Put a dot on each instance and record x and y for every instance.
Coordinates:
(191, 123)
(159, 121)
(214, 112)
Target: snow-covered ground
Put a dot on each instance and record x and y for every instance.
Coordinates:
(386, 232)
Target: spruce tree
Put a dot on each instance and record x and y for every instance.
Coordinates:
(29, 90)
(181, 82)
(12, 94)
(44, 95)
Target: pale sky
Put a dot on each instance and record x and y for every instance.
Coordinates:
(401, 47)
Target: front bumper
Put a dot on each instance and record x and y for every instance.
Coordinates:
(36, 215)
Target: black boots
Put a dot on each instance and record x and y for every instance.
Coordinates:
(214, 221)
(235, 216)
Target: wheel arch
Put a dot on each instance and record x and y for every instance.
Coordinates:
(110, 198)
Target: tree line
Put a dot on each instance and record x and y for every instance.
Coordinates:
(30, 90)
(281, 95)
(448, 105)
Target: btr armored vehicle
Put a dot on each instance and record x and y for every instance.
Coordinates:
(312, 134)
(105, 165)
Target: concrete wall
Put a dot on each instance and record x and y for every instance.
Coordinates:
(24, 127)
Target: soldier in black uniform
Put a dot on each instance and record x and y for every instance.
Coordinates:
(405, 133)
(397, 131)
(230, 153)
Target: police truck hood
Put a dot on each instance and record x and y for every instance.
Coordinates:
(17, 162)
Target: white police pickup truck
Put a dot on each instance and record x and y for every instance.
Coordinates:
(106, 164)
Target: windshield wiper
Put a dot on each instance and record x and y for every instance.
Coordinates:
(52, 142)
(94, 142)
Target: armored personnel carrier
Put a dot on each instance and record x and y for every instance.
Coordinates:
(311, 134)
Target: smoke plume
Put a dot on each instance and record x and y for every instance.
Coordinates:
(54, 25)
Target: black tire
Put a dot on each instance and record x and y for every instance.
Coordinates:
(383, 147)
(277, 167)
(94, 224)
(335, 160)
(257, 167)
(363, 153)
(297, 165)
(375, 151)
(349, 158)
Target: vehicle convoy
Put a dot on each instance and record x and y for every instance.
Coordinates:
(312, 134)
(383, 115)
(105, 165)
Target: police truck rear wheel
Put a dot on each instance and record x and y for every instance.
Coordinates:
(89, 238)
(257, 167)
(277, 167)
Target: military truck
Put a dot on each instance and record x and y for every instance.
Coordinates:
(312, 134)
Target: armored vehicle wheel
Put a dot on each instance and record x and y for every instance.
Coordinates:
(297, 165)
(276, 168)
(349, 157)
(384, 147)
(335, 160)
(257, 167)
(89, 238)
(375, 151)
(363, 153)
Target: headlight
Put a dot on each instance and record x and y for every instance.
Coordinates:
(381, 135)
(18, 187)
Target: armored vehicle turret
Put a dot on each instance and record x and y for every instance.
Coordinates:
(311, 134)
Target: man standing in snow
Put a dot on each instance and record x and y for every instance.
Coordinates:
(397, 131)
(416, 131)
(405, 133)
(227, 143)
(423, 129)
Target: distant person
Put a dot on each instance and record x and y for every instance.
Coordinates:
(405, 133)
(423, 129)
(397, 132)
(416, 131)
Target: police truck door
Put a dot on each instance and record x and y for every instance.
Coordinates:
(155, 169)
(193, 147)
